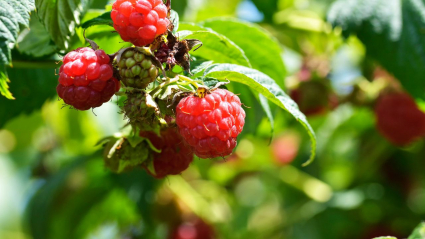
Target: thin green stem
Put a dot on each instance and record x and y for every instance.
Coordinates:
(163, 84)
(36, 64)
(185, 78)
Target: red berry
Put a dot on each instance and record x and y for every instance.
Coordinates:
(175, 155)
(285, 148)
(195, 229)
(211, 124)
(86, 79)
(399, 119)
(140, 21)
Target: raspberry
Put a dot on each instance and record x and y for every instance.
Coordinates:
(175, 155)
(211, 124)
(399, 119)
(142, 111)
(136, 68)
(285, 148)
(313, 98)
(193, 229)
(86, 79)
(125, 156)
(140, 21)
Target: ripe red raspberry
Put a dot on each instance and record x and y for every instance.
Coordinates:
(85, 79)
(399, 119)
(211, 124)
(140, 21)
(175, 155)
(285, 148)
(193, 229)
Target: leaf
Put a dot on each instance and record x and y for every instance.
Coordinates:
(419, 232)
(35, 41)
(60, 18)
(266, 107)
(31, 87)
(4, 88)
(266, 86)
(392, 31)
(216, 47)
(259, 46)
(199, 64)
(174, 18)
(12, 14)
(104, 19)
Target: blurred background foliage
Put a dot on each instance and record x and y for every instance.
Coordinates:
(53, 183)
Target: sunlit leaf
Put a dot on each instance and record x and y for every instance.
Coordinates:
(266, 86)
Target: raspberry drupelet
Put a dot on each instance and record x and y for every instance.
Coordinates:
(86, 79)
(211, 124)
(140, 21)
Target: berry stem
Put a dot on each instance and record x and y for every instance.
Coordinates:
(185, 78)
(163, 84)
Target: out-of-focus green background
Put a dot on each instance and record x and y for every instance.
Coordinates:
(53, 183)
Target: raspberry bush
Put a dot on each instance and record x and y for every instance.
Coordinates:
(193, 111)
(155, 97)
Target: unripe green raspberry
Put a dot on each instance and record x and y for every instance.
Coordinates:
(120, 156)
(142, 111)
(137, 67)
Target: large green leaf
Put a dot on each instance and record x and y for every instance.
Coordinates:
(266, 86)
(216, 47)
(4, 88)
(392, 31)
(35, 41)
(259, 46)
(419, 232)
(60, 18)
(104, 19)
(13, 13)
(31, 87)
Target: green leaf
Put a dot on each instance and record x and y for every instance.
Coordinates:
(216, 47)
(4, 88)
(392, 31)
(199, 64)
(266, 107)
(259, 46)
(419, 232)
(12, 14)
(35, 41)
(266, 86)
(31, 87)
(60, 18)
(174, 18)
(104, 19)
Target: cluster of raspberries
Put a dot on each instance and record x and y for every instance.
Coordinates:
(206, 125)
